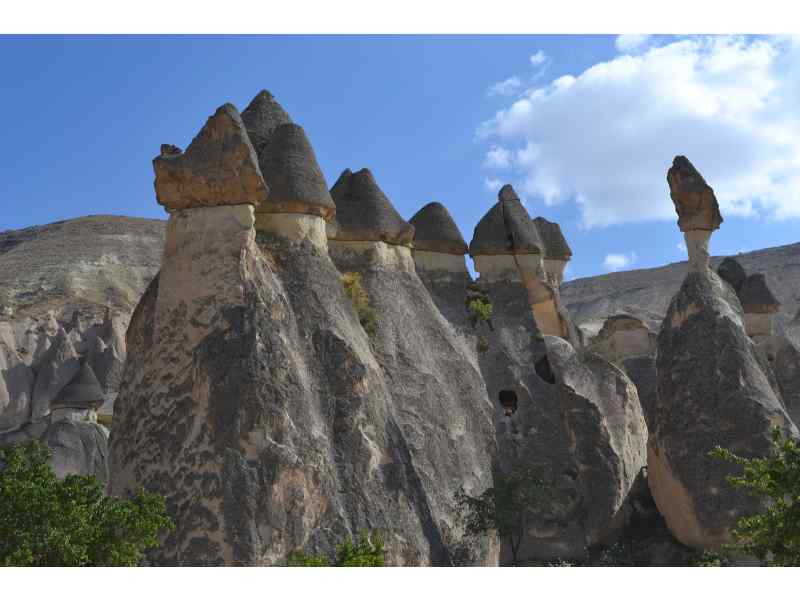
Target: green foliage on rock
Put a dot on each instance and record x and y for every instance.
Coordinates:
(47, 522)
(505, 507)
(774, 534)
(354, 289)
(367, 551)
(480, 310)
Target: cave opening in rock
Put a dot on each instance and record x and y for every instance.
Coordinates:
(543, 370)
(508, 400)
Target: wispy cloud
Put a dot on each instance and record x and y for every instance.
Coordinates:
(631, 42)
(539, 58)
(509, 87)
(617, 262)
(497, 158)
(492, 184)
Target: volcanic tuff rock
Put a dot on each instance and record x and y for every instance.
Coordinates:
(435, 231)
(364, 213)
(506, 228)
(296, 182)
(219, 167)
(756, 297)
(555, 244)
(261, 117)
(694, 199)
(258, 405)
(732, 273)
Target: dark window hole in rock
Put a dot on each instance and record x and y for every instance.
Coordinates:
(543, 370)
(508, 400)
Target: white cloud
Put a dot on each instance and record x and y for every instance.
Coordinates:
(505, 88)
(539, 58)
(605, 137)
(681, 246)
(630, 42)
(617, 262)
(497, 158)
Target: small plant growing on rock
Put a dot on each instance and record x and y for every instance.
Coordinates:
(479, 310)
(360, 299)
(774, 534)
(367, 551)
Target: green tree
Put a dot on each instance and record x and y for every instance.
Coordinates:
(367, 551)
(505, 507)
(47, 522)
(774, 534)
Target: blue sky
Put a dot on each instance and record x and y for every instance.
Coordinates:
(585, 127)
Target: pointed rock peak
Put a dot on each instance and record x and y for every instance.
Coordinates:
(364, 213)
(507, 193)
(756, 297)
(435, 230)
(83, 391)
(694, 199)
(506, 229)
(218, 168)
(555, 244)
(732, 273)
(262, 115)
(296, 182)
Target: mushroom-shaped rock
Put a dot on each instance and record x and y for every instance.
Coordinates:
(218, 168)
(506, 228)
(555, 244)
(712, 391)
(759, 305)
(261, 117)
(697, 208)
(732, 273)
(83, 392)
(694, 199)
(54, 370)
(435, 231)
(623, 336)
(296, 183)
(364, 213)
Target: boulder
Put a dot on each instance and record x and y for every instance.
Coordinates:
(711, 391)
(218, 168)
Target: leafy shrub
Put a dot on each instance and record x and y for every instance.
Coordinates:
(360, 299)
(772, 535)
(483, 345)
(47, 522)
(367, 551)
(479, 310)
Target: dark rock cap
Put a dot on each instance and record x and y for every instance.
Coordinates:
(693, 198)
(290, 168)
(261, 116)
(364, 213)
(732, 273)
(435, 230)
(555, 244)
(506, 229)
(218, 168)
(83, 391)
(756, 297)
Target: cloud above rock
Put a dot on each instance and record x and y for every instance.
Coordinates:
(604, 138)
(617, 262)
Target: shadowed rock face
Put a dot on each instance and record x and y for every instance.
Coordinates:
(296, 183)
(218, 168)
(506, 229)
(555, 244)
(261, 117)
(756, 297)
(711, 391)
(364, 213)
(732, 273)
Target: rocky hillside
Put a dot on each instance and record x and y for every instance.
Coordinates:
(84, 264)
(646, 293)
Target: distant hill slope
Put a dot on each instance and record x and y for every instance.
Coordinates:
(85, 264)
(646, 293)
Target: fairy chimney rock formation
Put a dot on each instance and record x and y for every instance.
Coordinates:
(366, 225)
(712, 389)
(506, 246)
(219, 168)
(438, 244)
(557, 252)
(697, 208)
(759, 305)
(623, 336)
(732, 273)
(80, 398)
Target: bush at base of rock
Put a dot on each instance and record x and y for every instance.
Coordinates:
(367, 551)
(47, 522)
